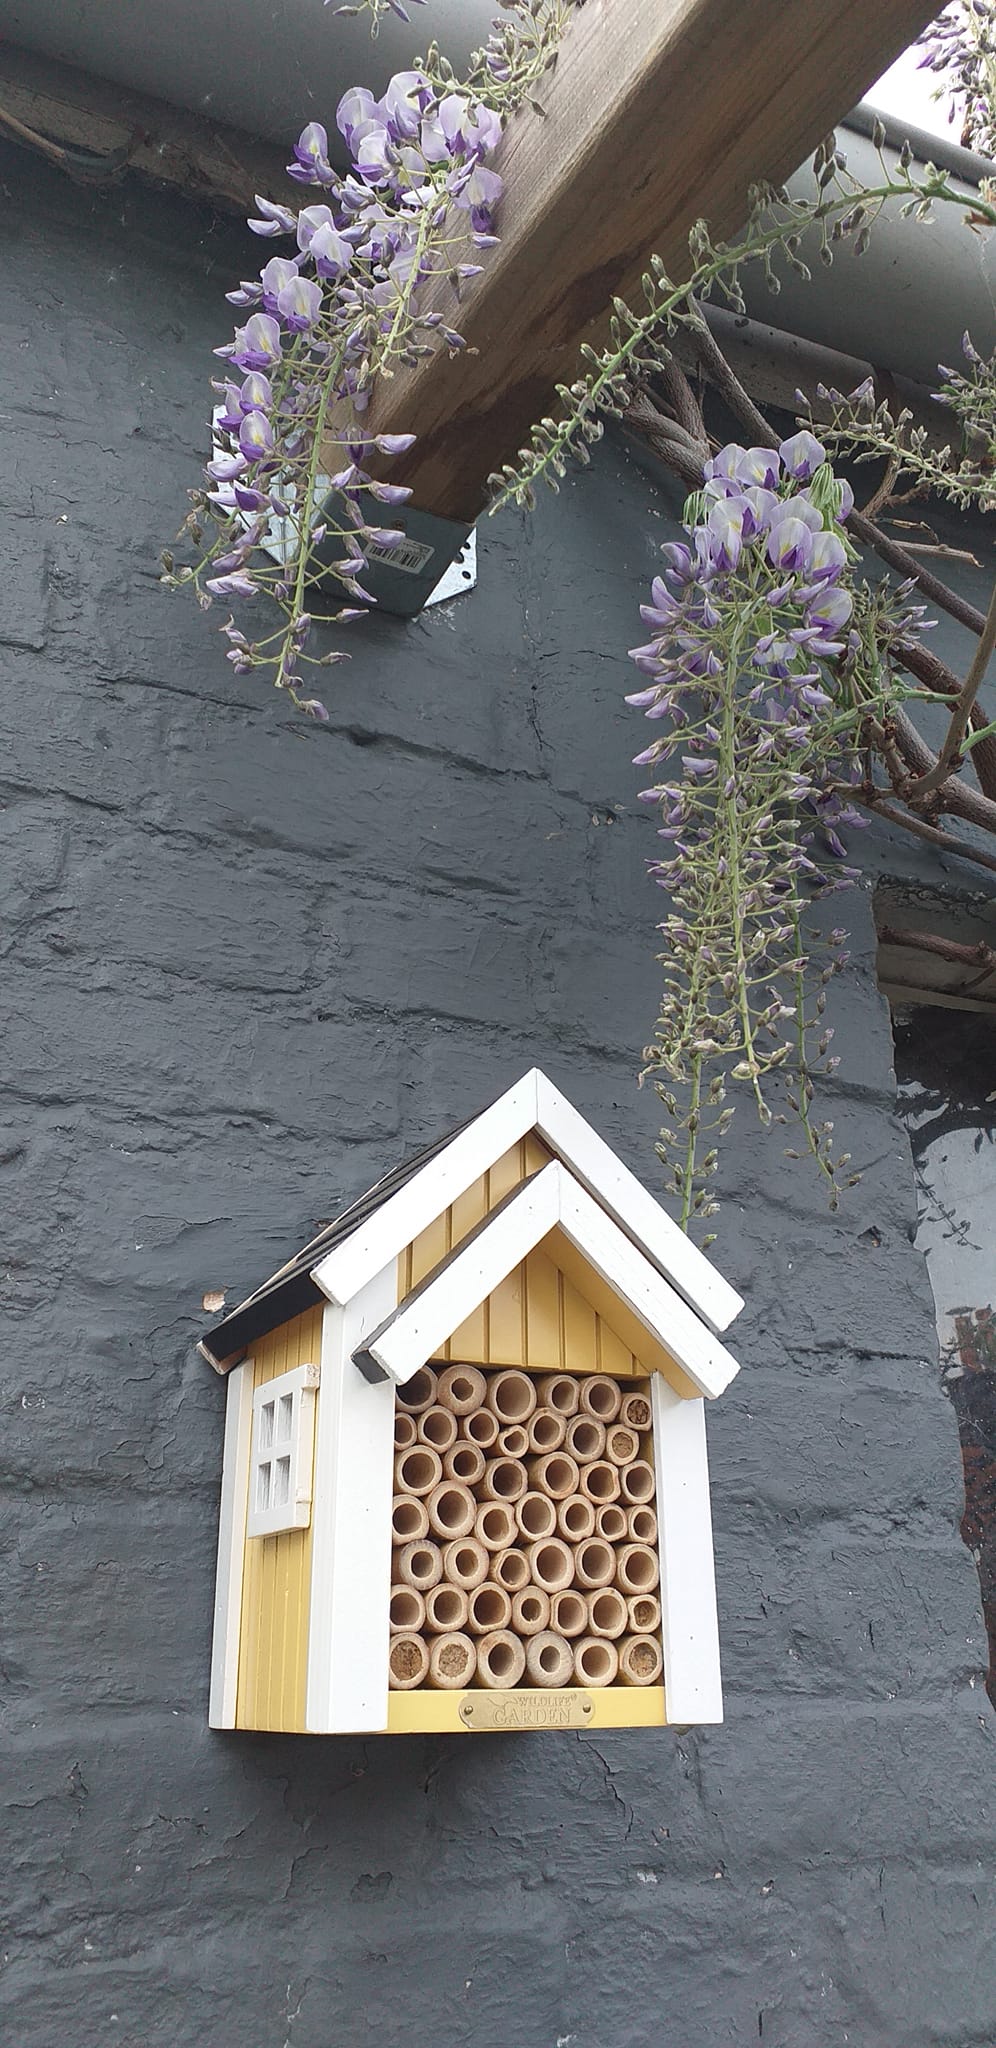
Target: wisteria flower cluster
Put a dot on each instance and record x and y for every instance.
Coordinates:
(960, 49)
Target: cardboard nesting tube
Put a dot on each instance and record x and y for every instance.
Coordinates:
(480, 1428)
(549, 1660)
(637, 1569)
(510, 1568)
(642, 1526)
(535, 1516)
(419, 1392)
(420, 1565)
(640, 1661)
(452, 1510)
(569, 1613)
(635, 1411)
(511, 1396)
(438, 1427)
(596, 1661)
(554, 1473)
(445, 1609)
(600, 1396)
(644, 1614)
(504, 1479)
(406, 1611)
(488, 1608)
(494, 1525)
(551, 1564)
(600, 1481)
(607, 1613)
(513, 1442)
(612, 1522)
(407, 1662)
(405, 1430)
(464, 1463)
(622, 1445)
(409, 1518)
(418, 1470)
(465, 1563)
(530, 1612)
(559, 1390)
(585, 1438)
(501, 1660)
(451, 1662)
(546, 1430)
(637, 1482)
(461, 1388)
(594, 1563)
(575, 1518)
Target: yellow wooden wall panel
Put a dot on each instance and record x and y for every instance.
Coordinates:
(276, 1585)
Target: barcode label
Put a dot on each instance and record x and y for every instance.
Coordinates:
(411, 556)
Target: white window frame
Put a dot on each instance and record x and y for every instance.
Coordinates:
(281, 1459)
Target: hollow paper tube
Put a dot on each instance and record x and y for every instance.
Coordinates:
(554, 1473)
(530, 1611)
(635, 1411)
(596, 1662)
(575, 1518)
(511, 1569)
(611, 1522)
(504, 1479)
(549, 1660)
(407, 1610)
(638, 1483)
(585, 1438)
(640, 1660)
(494, 1525)
(607, 1614)
(452, 1659)
(452, 1510)
(438, 1427)
(405, 1430)
(418, 1470)
(546, 1430)
(480, 1428)
(569, 1614)
(461, 1388)
(601, 1396)
(621, 1445)
(488, 1608)
(420, 1565)
(535, 1516)
(644, 1614)
(445, 1609)
(594, 1563)
(465, 1563)
(559, 1390)
(642, 1524)
(637, 1569)
(501, 1660)
(551, 1564)
(464, 1463)
(600, 1481)
(409, 1518)
(419, 1392)
(511, 1396)
(513, 1442)
(407, 1662)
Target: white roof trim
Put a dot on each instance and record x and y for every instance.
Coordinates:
(532, 1104)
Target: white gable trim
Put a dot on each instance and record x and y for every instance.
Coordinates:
(231, 1549)
(693, 1689)
(417, 1328)
(532, 1104)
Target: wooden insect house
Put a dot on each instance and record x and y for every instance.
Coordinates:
(465, 1482)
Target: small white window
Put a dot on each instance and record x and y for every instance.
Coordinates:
(280, 1461)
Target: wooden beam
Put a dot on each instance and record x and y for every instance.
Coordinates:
(659, 112)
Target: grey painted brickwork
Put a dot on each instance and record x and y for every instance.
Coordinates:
(247, 965)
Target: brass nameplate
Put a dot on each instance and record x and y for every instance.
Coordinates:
(527, 1708)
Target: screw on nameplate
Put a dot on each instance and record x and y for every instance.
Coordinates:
(527, 1708)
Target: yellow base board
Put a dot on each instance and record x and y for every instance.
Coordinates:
(438, 1713)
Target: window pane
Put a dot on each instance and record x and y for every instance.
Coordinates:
(263, 1480)
(266, 1425)
(286, 1418)
(281, 1489)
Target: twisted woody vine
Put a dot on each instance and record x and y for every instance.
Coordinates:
(780, 675)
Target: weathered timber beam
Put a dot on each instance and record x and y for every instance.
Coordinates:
(658, 113)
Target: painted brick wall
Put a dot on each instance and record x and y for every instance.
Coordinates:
(247, 963)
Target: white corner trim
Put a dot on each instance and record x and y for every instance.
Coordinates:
(231, 1548)
(693, 1689)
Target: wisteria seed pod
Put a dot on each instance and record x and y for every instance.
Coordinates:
(465, 1563)
(510, 1568)
(488, 1608)
(504, 1479)
(406, 1611)
(600, 1481)
(621, 1445)
(494, 1525)
(452, 1661)
(481, 1428)
(501, 1660)
(642, 1526)
(405, 1430)
(635, 1411)
(559, 1390)
(594, 1563)
(535, 1516)
(551, 1564)
(461, 1388)
(530, 1611)
(465, 1463)
(575, 1518)
(546, 1430)
(640, 1660)
(607, 1615)
(419, 1564)
(644, 1614)
(452, 1510)
(596, 1661)
(513, 1442)
(637, 1569)
(419, 1392)
(554, 1473)
(638, 1483)
(569, 1613)
(438, 1427)
(445, 1609)
(611, 1522)
(600, 1396)
(549, 1660)
(585, 1438)
(409, 1518)
(511, 1396)
(417, 1470)
(407, 1662)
